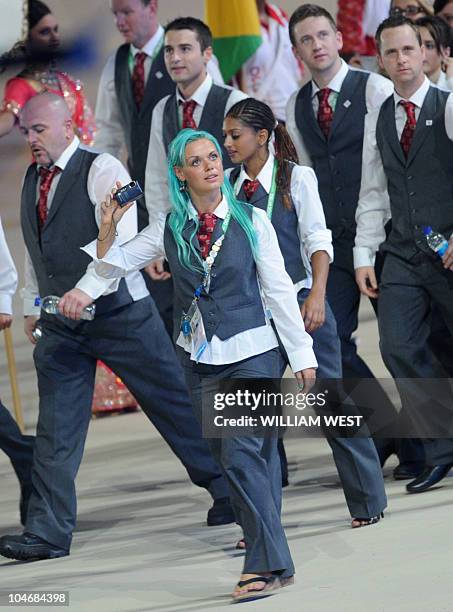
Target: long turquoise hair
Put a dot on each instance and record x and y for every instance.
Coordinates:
(180, 200)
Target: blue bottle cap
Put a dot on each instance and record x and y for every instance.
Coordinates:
(427, 230)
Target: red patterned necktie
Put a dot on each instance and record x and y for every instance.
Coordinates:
(138, 79)
(46, 175)
(250, 187)
(206, 226)
(325, 111)
(187, 114)
(409, 127)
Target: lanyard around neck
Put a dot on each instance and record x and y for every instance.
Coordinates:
(158, 47)
(272, 191)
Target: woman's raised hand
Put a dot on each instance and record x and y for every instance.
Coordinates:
(111, 211)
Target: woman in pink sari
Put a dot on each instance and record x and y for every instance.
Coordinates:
(43, 38)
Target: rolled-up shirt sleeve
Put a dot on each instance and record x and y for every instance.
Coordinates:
(280, 296)
(133, 255)
(313, 232)
(373, 210)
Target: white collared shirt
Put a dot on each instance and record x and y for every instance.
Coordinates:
(313, 233)
(156, 185)
(8, 276)
(276, 286)
(373, 210)
(377, 89)
(104, 172)
(109, 135)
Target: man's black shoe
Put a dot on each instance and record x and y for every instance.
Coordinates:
(430, 476)
(221, 513)
(28, 547)
(407, 471)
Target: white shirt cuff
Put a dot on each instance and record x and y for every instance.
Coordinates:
(108, 266)
(301, 360)
(6, 304)
(363, 257)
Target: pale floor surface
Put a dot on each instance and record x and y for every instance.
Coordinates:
(141, 543)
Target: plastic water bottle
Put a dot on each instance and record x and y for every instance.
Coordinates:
(436, 242)
(50, 305)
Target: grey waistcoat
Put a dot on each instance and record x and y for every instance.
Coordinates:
(285, 223)
(233, 304)
(56, 256)
(211, 118)
(137, 124)
(337, 160)
(421, 187)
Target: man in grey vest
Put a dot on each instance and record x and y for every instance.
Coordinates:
(132, 82)
(407, 174)
(126, 332)
(197, 102)
(325, 119)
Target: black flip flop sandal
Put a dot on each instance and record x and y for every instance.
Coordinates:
(367, 521)
(271, 584)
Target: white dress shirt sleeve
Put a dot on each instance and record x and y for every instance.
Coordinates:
(280, 296)
(156, 182)
(313, 233)
(30, 292)
(449, 116)
(293, 131)
(109, 136)
(8, 276)
(236, 96)
(378, 89)
(373, 210)
(104, 173)
(133, 255)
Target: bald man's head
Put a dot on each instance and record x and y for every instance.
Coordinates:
(46, 123)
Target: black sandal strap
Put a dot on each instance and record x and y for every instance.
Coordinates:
(265, 579)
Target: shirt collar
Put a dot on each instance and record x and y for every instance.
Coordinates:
(264, 176)
(64, 158)
(336, 83)
(151, 45)
(220, 212)
(417, 97)
(200, 95)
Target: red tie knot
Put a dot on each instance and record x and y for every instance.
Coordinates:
(409, 107)
(323, 95)
(47, 174)
(250, 188)
(140, 58)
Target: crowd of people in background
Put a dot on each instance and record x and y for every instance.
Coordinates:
(271, 205)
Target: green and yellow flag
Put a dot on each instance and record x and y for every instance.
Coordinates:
(236, 30)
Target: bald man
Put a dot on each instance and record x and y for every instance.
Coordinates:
(60, 209)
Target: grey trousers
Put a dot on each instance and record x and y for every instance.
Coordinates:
(356, 459)
(406, 294)
(251, 466)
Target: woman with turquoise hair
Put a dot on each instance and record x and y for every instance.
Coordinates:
(224, 256)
